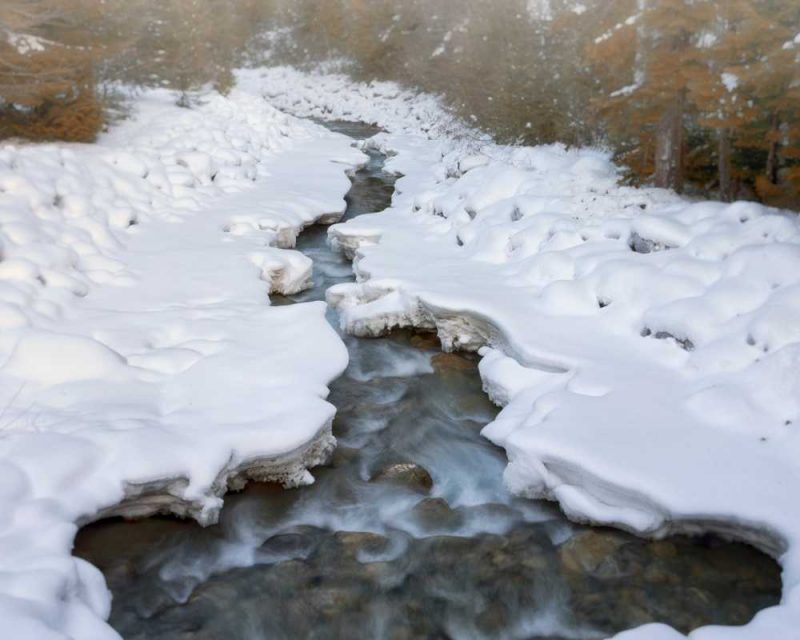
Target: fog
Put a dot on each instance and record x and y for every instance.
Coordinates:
(695, 95)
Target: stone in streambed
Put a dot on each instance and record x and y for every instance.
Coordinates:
(354, 542)
(451, 362)
(428, 341)
(590, 552)
(494, 619)
(407, 474)
(435, 513)
(343, 456)
(288, 545)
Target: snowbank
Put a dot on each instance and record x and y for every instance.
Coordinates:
(142, 369)
(646, 348)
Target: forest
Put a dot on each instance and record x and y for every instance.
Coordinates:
(700, 96)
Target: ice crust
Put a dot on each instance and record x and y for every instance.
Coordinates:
(645, 347)
(142, 369)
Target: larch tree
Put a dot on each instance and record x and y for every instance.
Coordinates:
(648, 54)
(615, 56)
(47, 87)
(774, 79)
(718, 90)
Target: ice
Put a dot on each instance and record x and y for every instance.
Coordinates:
(142, 369)
(644, 346)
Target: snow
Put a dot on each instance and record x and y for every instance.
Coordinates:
(791, 44)
(26, 44)
(644, 347)
(142, 369)
(628, 22)
(626, 90)
(730, 80)
(707, 40)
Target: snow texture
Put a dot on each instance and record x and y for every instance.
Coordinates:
(142, 369)
(25, 43)
(731, 81)
(645, 348)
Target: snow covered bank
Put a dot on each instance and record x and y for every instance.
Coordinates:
(142, 369)
(646, 348)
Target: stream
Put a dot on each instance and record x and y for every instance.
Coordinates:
(409, 532)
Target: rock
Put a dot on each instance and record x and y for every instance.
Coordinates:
(658, 573)
(664, 549)
(343, 456)
(288, 545)
(335, 601)
(588, 550)
(341, 555)
(408, 474)
(435, 513)
(357, 541)
(493, 619)
(451, 362)
(294, 574)
(425, 341)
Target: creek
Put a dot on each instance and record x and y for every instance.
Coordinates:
(409, 532)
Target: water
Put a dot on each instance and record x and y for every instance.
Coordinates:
(409, 533)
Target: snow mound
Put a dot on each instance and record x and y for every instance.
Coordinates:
(645, 347)
(142, 369)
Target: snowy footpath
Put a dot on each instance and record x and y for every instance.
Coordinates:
(142, 369)
(645, 348)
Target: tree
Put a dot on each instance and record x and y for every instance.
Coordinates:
(774, 81)
(47, 86)
(717, 72)
(648, 54)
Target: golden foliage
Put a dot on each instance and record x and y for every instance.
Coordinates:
(47, 88)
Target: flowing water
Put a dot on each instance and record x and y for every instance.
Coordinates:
(409, 533)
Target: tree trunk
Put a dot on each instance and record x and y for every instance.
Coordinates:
(724, 162)
(669, 146)
(774, 145)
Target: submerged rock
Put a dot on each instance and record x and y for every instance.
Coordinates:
(355, 542)
(451, 361)
(428, 341)
(435, 513)
(590, 552)
(288, 546)
(408, 474)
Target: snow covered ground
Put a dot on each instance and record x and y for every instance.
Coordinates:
(141, 366)
(646, 348)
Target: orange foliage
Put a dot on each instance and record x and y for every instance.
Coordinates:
(47, 87)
